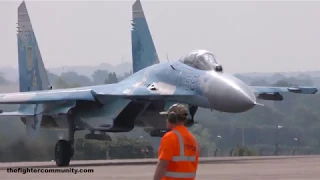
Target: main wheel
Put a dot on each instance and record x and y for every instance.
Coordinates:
(63, 153)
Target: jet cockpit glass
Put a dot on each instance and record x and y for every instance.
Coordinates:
(202, 60)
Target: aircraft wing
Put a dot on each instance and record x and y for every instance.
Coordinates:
(274, 93)
(102, 94)
(152, 92)
(48, 96)
(16, 113)
(144, 93)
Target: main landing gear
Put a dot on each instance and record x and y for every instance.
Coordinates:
(64, 149)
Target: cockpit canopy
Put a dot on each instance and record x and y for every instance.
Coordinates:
(203, 60)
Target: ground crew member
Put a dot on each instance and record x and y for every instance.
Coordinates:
(179, 151)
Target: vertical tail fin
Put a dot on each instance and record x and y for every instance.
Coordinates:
(144, 52)
(32, 73)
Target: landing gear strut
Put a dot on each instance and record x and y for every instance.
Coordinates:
(192, 112)
(64, 149)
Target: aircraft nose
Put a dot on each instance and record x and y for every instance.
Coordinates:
(228, 94)
(242, 100)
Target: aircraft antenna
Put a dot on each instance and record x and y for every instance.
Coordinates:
(167, 57)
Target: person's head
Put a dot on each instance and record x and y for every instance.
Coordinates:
(177, 114)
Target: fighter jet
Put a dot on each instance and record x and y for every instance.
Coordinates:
(197, 80)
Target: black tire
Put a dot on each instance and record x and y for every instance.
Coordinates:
(62, 153)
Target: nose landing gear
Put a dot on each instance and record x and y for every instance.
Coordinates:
(192, 112)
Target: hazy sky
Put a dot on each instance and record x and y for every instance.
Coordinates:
(245, 36)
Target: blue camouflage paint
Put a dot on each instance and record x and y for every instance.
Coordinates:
(32, 73)
(27, 77)
(144, 52)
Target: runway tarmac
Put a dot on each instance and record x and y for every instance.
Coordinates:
(235, 168)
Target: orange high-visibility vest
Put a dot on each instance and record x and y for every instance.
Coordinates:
(184, 162)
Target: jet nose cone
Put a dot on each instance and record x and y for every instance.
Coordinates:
(243, 100)
(228, 94)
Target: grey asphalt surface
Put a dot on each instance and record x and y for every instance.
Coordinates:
(235, 168)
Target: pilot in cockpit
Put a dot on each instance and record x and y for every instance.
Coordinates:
(203, 60)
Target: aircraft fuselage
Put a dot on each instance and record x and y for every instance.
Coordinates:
(209, 89)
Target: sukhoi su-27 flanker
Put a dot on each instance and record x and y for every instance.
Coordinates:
(197, 80)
